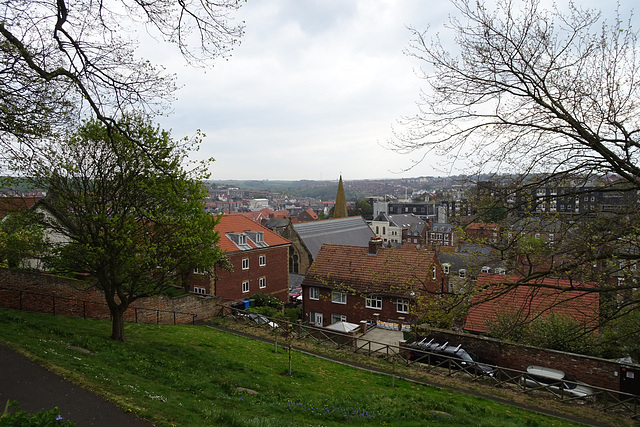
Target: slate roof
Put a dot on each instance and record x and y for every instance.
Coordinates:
(240, 224)
(529, 302)
(340, 231)
(391, 271)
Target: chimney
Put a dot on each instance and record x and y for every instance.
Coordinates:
(375, 243)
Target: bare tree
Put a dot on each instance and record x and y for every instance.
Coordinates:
(60, 60)
(545, 90)
(548, 96)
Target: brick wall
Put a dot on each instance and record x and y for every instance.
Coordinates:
(355, 309)
(591, 370)
(30, 291)
(228, 286)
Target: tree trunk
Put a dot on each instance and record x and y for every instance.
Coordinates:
(117, 326)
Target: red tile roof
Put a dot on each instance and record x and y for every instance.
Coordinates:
(496, 296)
(239, 224)
(390, 271)
(12, 204)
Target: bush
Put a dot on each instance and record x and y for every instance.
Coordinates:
(293, 314)
(20, 418)
(266, 300)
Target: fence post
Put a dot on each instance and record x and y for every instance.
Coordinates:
(157, 317)
(54, 304)
(174, 317)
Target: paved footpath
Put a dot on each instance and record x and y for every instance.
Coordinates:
(37, 389)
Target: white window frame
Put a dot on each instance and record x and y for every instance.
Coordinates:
(402, 305)
(199, 290)
(434, 272)
(462, 273)
(373, 302)
(262, 282)
(314, 293)
(262, 260)
(338, 297)
(245, 263)
(338, 318)
(245, 286)
(316, 318)
(445, 267)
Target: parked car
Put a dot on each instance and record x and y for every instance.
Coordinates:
(258, 318)
(447, 355)
(556, 381)
(295, 294)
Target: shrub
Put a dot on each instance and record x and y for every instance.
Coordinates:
(20, 418)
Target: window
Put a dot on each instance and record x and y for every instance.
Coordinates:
(338, 297)
(462, 273)
(199, 271)
(486, 269)
(402, 305)
(434, 272)
(262, 282)
(245, 286)
(373, 302)
(245, 263)
(314, 293)
(263, 260)
(338, 318)
(198, 290)
(445, 268)
(242, 239)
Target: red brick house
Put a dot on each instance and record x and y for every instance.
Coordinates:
(499, 296)
(260, 260)
(355, 283)
(483, 232)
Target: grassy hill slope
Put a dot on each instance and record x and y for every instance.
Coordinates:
(197, 376)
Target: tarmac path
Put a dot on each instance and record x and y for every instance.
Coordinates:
(37, 389)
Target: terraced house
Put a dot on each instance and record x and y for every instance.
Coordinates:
(354, 284)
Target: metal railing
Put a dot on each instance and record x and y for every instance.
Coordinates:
(603, 399)
(75, 306)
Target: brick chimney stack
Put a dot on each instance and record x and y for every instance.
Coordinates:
(375, 243)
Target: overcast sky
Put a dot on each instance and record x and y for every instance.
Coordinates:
(312, 92)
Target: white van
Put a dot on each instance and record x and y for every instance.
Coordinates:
(555, 381)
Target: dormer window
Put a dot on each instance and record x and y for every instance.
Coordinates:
(445, 268)
(462, 273)
(240, 240)
(257, 237)
(486, 269)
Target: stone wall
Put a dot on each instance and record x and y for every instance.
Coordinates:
(29, 291)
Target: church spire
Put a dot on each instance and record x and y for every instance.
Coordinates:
(340, 207)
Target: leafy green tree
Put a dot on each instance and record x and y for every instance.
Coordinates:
(130, 215)
(361, 207)
(21, 238)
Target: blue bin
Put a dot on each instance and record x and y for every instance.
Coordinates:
(246, 303)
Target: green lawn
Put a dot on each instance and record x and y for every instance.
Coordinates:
(198, 376)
